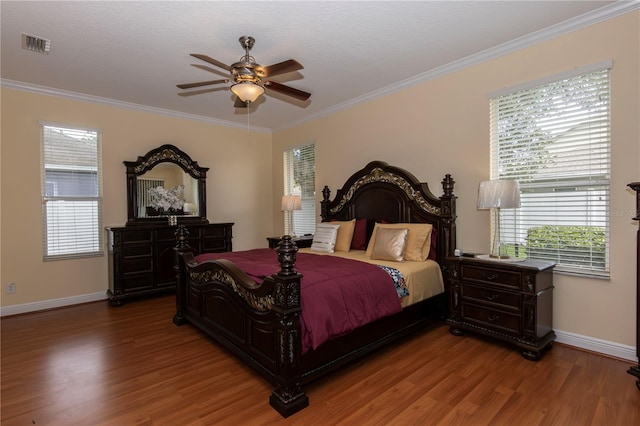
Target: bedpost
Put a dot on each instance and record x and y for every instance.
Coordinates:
(182, 246)
(324, 204)
(288, 397)
(448, 236)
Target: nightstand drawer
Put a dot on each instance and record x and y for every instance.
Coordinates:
(498, 298)
(491, 318)
(492, 276)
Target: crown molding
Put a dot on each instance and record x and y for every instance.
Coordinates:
(579, 22)
(603, 14)
(49, 91)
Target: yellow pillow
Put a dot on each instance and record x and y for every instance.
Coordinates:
(345, 234)
(418, 239)
(390, 244)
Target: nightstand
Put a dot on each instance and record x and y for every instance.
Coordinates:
(509, 301)
(303, 241)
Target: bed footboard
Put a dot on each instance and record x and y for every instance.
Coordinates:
(259, 323)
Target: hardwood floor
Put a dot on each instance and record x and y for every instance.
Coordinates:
(98, 365)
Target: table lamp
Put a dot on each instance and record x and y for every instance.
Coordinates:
(496, 195)
(289, 204)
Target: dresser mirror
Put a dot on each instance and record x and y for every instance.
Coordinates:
(165, 182)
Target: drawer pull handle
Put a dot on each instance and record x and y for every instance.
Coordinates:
(490, 277)
(490, 297)
(493, 318)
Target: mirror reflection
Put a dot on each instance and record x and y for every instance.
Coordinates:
(166, 189)
(165, 183)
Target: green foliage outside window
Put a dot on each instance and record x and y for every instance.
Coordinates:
(576, 245)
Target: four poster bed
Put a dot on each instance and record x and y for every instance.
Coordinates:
(263, 305)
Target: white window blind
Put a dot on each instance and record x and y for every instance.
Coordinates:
(71, 192)
(300, 179)
(555, 140)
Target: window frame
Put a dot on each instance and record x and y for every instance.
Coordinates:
(583, 180)
(304, 220)
(72, 221)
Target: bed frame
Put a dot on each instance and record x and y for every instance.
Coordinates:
(260, 324)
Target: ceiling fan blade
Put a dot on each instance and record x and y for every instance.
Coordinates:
(211, 61)
(239, 104)
(290, 91)
(202, 83)
(279, 68)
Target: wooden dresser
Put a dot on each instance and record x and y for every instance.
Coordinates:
(510, 301)
(141, 257)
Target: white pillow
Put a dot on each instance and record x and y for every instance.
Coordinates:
(325, 237)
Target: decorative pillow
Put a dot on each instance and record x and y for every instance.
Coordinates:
(325, 237)
(390, 244)
(359, 240)
(418, 240)
(345, 234)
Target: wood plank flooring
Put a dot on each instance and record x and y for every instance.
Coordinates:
(94, 364)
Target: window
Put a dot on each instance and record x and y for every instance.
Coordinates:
(71, 192)
(554, 139)
(300, 179)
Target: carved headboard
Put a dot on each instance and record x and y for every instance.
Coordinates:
(380, 192)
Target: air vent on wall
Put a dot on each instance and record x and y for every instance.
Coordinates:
(36, 44)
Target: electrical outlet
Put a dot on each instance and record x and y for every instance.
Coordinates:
(11, 288)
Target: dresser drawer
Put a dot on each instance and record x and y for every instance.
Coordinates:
(491, 276)
(169, 234)
(492, 319)
(137, 264)
(134, 236)
(492, 296)
(136, 250)
(217, 231)
(137, 283)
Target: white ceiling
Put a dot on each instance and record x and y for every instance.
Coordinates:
(135, 52)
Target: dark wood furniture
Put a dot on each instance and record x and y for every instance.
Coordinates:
(260, 323)
(194, 180)
(141, 258)
(301, 242)
(635, 370)
(510, 301)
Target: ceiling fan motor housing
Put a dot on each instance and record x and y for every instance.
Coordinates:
(248, 71)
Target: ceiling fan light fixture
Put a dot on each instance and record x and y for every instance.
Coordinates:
(247, 91)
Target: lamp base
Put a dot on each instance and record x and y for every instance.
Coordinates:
(498, 256)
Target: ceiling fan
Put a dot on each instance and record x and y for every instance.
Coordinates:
(247, 76)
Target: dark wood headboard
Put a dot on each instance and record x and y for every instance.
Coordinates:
(380, 192)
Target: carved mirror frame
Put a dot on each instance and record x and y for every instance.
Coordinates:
(164, 154)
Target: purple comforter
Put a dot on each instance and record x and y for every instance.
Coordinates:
(337, 295)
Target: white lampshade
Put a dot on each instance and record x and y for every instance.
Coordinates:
(247, 91)
(291, 202)
(496, 195)
(501, 194)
